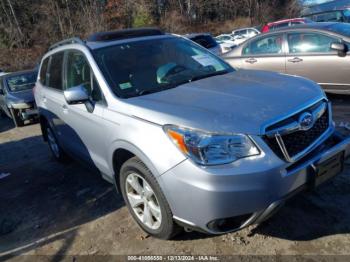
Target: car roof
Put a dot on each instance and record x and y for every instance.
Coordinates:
(110, 38)
(192, 35)
(97, 45)
(320, 25)
(19, 73)
(286, 20)
(244, 28)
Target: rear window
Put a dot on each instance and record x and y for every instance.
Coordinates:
(43, 71)
(21, 82)
(55, 71)
(205, 40)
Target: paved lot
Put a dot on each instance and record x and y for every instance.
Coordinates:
(54, 209)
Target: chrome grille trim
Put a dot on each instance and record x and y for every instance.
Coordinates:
(295, 125)
(289, 129)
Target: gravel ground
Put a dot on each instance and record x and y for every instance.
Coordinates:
(47, 208)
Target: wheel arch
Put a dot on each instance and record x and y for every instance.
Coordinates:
(123, 151)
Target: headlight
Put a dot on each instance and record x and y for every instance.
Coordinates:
(210, 148)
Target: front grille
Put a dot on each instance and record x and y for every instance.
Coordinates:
(300, 140)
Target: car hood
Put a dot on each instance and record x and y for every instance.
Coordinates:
(25, 96)
(240, 102)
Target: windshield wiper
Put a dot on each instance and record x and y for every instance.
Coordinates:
(195, 78)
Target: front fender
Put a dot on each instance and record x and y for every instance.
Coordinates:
(122, 144)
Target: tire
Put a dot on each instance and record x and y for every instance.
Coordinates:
(56, 150)
(16, 118)
(132, 169)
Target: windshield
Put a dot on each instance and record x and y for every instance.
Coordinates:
(340, 28)
(21, 82)
(143, 67)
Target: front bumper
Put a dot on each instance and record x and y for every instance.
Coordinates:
(250, 189)
(29, 114)
(27, 110)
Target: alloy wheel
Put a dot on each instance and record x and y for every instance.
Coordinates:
(143, 201)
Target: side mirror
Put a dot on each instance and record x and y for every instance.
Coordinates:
(341, 48)
(2, 92)
(76, 95)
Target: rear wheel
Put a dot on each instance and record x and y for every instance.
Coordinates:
(17, 120)
(145, 200)
(55, 148)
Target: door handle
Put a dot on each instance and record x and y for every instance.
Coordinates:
(295, 60)
(44, 99)
(251, 60)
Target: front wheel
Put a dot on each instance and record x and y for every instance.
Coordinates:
(145, 200)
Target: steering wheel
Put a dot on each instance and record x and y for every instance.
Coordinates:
(175, 70)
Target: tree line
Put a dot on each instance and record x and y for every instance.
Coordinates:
(38, 23)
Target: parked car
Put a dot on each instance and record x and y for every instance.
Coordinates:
(16, 96)
(207, 41)
(285, 23)
(188, 140)
(243, 34)
(334, 11)
(316, 51)
(226, 42)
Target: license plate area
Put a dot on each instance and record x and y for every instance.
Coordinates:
(328, 168)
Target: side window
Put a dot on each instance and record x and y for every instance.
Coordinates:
(78, 72)
(43, 71)
(266, 45)
(281, 25)
(310, 43)
(54, 76)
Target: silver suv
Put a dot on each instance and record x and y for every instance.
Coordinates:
(188, 141)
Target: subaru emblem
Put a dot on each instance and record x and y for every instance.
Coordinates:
(306, 121)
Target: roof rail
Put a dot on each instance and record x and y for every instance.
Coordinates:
(124, 34)
(74, 40)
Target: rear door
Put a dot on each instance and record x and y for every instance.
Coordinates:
(51, 97)
(265, 53)
(309, 55)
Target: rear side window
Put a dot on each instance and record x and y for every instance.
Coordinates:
(43, 71)
(55, 71)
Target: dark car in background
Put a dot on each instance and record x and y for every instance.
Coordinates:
(334, 11)
(16, 96)
(317, 51)
(206, 40)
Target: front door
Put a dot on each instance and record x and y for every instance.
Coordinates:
(86, 127)
(309, 55)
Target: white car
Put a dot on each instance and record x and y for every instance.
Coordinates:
(243, 34)
(226, 42)
(2, 73)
